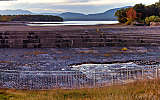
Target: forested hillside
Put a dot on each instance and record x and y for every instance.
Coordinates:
(6, 18)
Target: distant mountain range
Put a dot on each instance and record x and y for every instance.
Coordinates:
(15, 12)
(108, 15)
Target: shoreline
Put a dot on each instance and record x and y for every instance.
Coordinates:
(34, 66)
(23, 27)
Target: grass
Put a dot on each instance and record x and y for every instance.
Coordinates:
(140, 90)
(4, 95)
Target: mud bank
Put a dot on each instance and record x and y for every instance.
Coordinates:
(77, 36)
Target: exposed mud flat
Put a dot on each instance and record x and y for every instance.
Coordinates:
(51, 68)
(52, 59)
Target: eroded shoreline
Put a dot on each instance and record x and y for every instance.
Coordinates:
(38, 68)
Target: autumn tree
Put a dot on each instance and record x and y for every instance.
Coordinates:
(121, 15)
(138, 13)
(131, 14)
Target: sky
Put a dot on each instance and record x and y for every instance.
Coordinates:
(60, 6)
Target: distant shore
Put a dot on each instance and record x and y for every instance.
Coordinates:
(22, 26)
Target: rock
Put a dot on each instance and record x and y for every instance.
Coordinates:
(154, 23)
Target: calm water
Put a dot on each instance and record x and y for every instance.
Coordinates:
(71, 23)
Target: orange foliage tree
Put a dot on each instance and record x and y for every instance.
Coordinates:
(131, 14)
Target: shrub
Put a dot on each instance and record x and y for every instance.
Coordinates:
(126, 15)
(152, 19)
(122, 20)
(129, 21)
(124, 49)
(121, 15)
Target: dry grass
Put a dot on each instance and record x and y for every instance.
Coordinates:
(36, 53)
(144, 90)
(89, 52)
(5, 62)
(107, 55)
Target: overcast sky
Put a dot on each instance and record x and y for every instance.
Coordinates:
(80, 6)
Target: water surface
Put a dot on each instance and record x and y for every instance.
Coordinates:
(71, 23)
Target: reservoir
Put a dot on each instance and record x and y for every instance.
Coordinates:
(71, 23)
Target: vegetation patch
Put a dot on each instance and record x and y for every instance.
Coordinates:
(124, 49)
(5, 61)
(150, 19)
(107, 55)
(7, 18)
(140, 90)
(36, 53)
(139, 13)
(5, 96)
(88, 51)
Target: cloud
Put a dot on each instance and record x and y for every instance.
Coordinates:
(107, 2)
(84, 2)
(7, 0)
(41, 1)
(81, 2)
(83, 6)
(46, 10)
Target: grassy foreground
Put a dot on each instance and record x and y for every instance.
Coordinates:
(144, 90)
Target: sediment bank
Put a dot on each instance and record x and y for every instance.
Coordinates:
(48, 49)
(78, 36)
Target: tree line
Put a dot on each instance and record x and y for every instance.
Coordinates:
(139, 13)
(7, 18)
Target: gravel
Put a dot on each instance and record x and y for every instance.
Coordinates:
(18, 61)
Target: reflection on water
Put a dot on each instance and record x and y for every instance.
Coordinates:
(71, 23)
